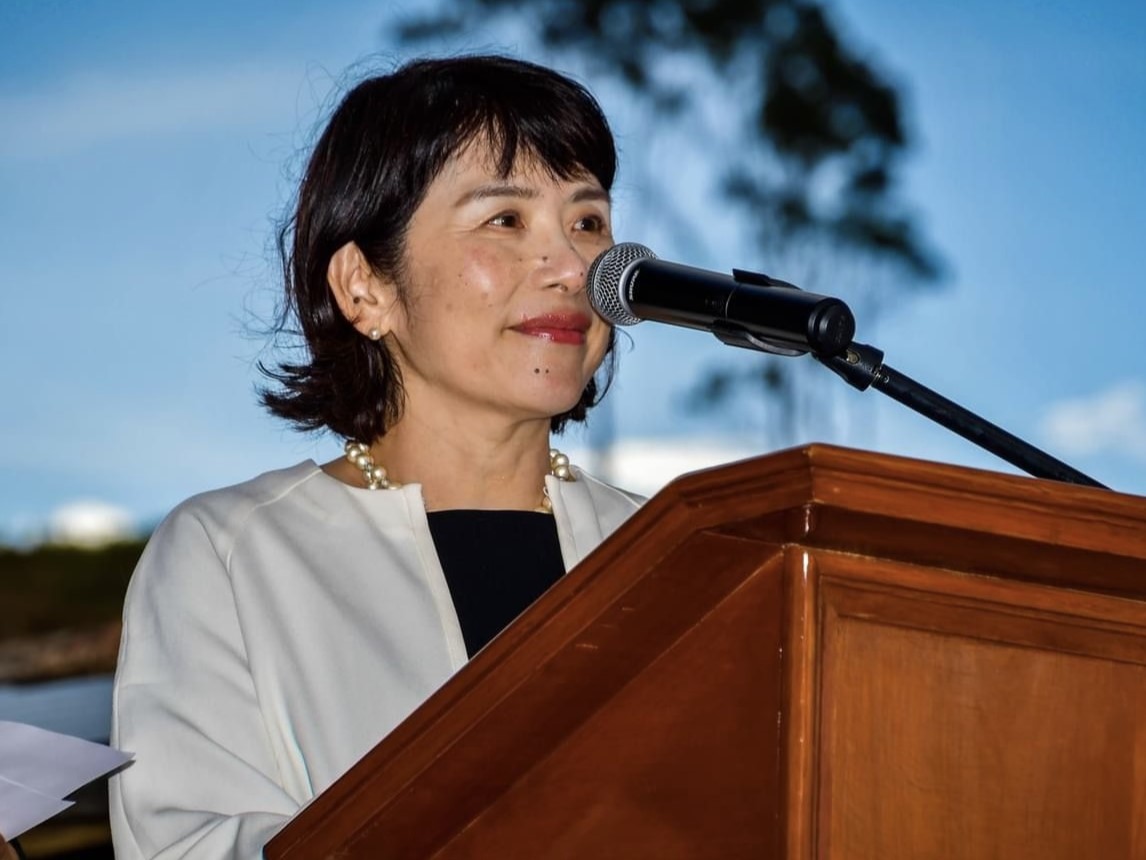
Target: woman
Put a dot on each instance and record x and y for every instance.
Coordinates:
(277, 630)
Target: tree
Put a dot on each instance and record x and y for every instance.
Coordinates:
(797, 130)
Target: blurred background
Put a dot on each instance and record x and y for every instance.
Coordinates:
(967, 176)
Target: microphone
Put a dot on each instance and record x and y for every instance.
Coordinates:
(628, 284)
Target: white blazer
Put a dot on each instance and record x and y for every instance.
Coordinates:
(274, 632)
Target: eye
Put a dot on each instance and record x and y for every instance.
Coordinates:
(591, 224)
(505, 219)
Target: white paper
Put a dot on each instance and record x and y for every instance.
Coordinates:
(21, 808)
(38, 768)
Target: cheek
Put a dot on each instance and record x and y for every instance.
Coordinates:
(450, 294)
(485, 275)
(598, 339)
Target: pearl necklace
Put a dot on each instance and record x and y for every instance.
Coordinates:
(376, 477)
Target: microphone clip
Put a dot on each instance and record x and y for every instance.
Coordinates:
(737, 335)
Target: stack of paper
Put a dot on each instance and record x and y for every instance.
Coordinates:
(38, 769)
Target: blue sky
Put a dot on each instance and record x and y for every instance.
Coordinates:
(146, 151)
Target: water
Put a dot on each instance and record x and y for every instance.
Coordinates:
(74, 706)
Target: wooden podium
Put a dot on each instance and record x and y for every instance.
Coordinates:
(817, 654)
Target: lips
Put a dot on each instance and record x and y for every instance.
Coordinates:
(566, 328)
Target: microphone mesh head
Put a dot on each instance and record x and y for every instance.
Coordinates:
(608, 278)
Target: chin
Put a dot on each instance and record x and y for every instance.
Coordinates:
(552, 402)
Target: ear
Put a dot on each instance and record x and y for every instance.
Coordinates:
(367, 300)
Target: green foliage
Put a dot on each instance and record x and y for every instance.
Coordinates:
(55, 587)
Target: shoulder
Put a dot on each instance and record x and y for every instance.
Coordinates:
(266, 489)
(220, 516)
(591, 498)
(606, 494)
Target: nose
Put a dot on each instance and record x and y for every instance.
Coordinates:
(563, 265)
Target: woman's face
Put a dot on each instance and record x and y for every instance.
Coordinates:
(496, 317)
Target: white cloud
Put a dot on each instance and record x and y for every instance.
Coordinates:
(99, 108)
(1110, 421)
(90, 523)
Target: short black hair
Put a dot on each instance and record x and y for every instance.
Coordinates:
(384, 145)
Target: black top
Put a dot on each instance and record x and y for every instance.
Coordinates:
(496, 564)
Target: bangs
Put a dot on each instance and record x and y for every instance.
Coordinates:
(560, 144)
(554, 121)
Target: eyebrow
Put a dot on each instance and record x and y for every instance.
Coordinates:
(522, 192)
(592, 192)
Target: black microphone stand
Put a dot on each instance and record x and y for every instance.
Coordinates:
(861, 366)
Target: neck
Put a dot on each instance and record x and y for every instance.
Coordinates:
(476, 467)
